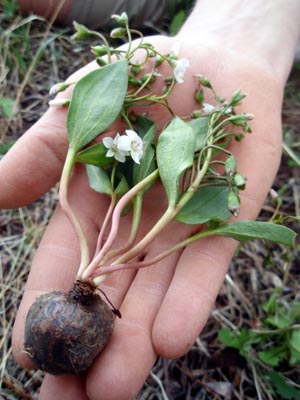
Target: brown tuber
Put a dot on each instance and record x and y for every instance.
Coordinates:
(64, 332)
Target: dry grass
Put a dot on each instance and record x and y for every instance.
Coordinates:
(210, 370)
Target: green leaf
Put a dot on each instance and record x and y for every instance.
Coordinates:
(7, 105)
(270, 305)
(144, 125)
(295, 312)
(283, 388)
(230, 339)
(273, 356)
(95, 155)
(175, 153)
(207, 204)
(99, 180)
(122, 186)
(147, 164)
(279, 321)
(200, 127)
(241, 340)
(6, 147)
(177, 22)
(294, 341)
(249, 230)
(96, 102)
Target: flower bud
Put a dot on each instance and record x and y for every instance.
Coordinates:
(59, 102)
(275, 196)
(204, 81)
(196, 114)
(82, 32)
(169, 80)
(133, 81)
(230, 165)
(173, 62)
(239, 136)
(233, 203)
(148, 77)
(199, 96)
(101, 62)
(117, 33)
(151, 53)
(159, 60)
(58, 87)
(136, 69)
(237, 98)
(99, 50)
(122, 19)
(241, 120)
(239, 181)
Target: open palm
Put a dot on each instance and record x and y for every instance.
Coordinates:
(164, 307)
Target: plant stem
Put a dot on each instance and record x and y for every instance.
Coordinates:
(137, 209)
(64, 203)
(105, 222)
(158, 227)
(107, 269)
(115, 222)
(106, 44)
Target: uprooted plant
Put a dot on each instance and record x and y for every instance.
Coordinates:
(189, 157)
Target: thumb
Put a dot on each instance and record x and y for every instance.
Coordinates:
(33, 165)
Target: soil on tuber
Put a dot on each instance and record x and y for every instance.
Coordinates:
(64, 332)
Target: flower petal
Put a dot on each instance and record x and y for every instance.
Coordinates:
(180, 69)
(124, 143)
(176, 49)
(135, 156)
(120, 156)
(108, 142)
(132, 134)
(110, 153)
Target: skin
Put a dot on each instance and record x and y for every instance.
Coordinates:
(164, 307)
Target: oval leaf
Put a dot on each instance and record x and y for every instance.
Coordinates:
(249, 230)
(98, 179)
(207, 204)
(95, 155)
(122, 187)
(96, 102)
(175, 153)
(200, 127)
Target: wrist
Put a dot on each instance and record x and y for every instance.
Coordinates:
(264, 32)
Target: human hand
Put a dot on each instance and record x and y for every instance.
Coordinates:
(164, 308)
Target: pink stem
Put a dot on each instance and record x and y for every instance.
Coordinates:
(115, 222)
(104, 224)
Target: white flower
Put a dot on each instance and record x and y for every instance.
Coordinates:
(59, 102)
(176, 49)
(113, 148)
(207, 108)
(180, 68)
(133, 144)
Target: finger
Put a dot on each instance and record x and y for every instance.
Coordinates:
(203, 265)
(34, 163)
(121, 370)
(66, 387)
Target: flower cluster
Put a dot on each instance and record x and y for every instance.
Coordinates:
(129, 144)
